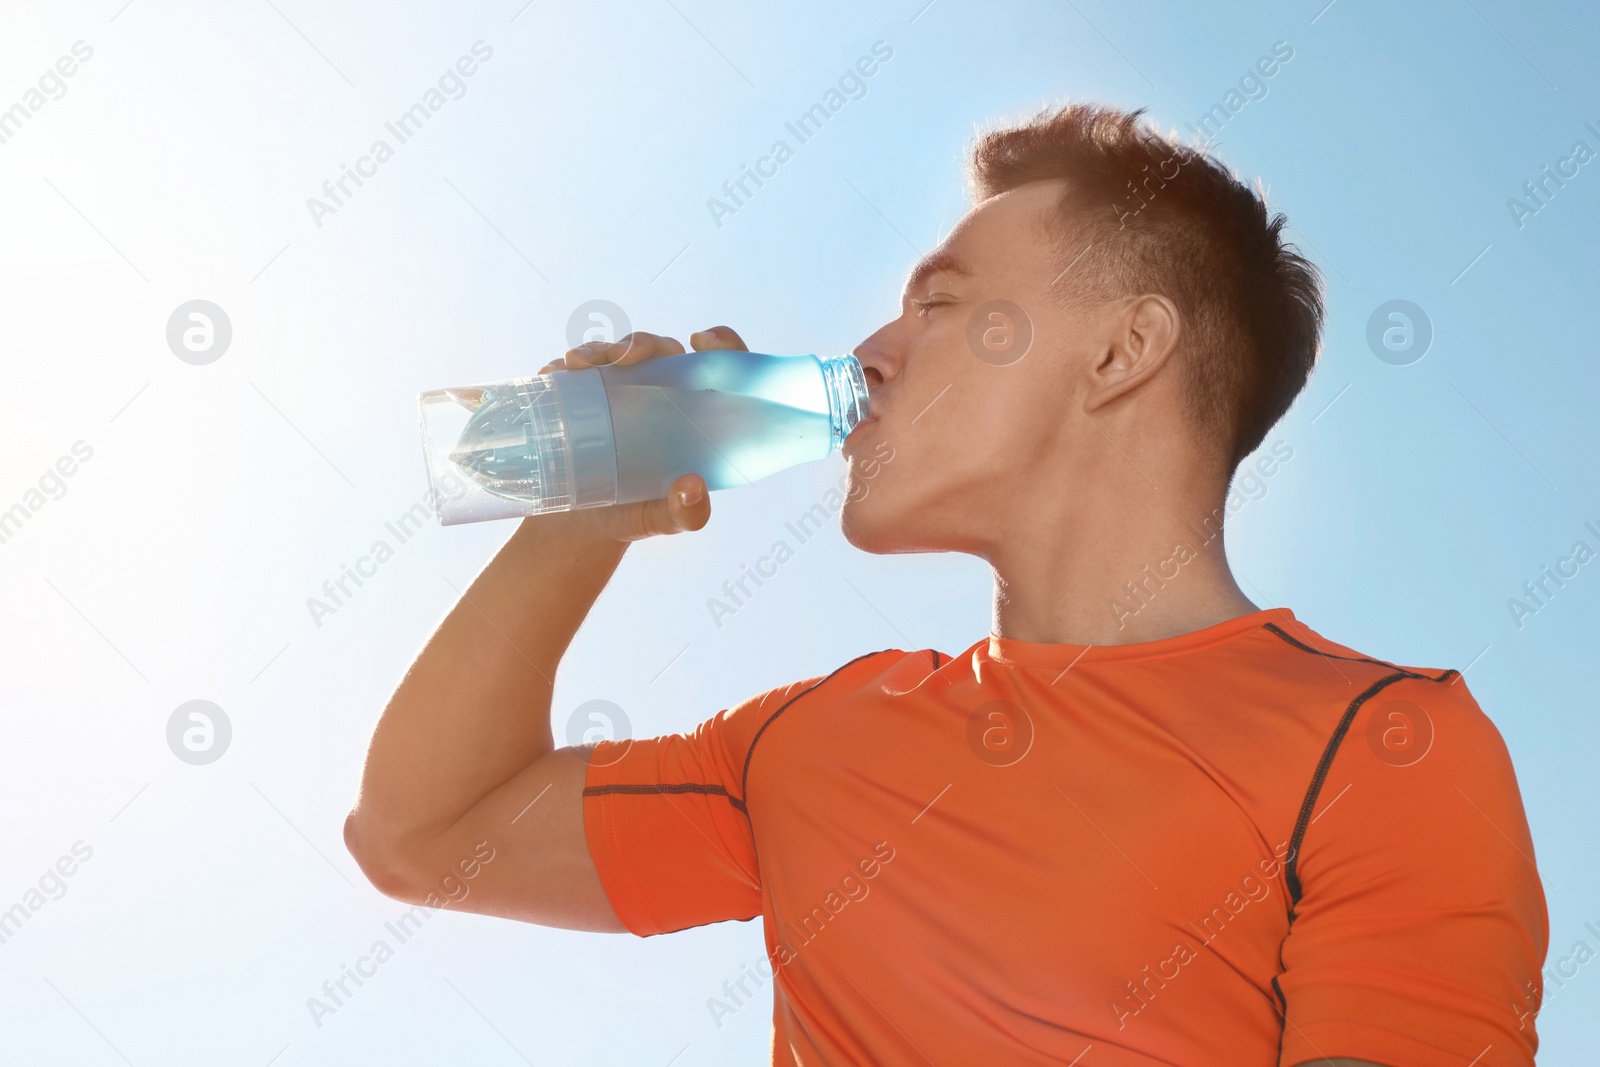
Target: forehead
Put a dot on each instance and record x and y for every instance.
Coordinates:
(1003, 235)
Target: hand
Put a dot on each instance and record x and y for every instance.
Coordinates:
(687, 505)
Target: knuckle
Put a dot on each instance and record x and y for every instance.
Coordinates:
(596, 353)
(653, 518)
(638, 527)
(636, 346)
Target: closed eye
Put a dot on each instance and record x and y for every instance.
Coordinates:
(928, 304)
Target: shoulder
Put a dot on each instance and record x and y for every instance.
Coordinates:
(1357, 683)
(1396, 713)
(1299, 644)
(1413, 777)
(866, 671)
(872, 675)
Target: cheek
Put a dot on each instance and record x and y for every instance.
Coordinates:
(991, 429)
(932, 463)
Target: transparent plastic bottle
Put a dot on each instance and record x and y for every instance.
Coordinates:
(615, 435)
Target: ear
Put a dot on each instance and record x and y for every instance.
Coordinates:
(1142, 334)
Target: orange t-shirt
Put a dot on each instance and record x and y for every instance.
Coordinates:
(1245, 845)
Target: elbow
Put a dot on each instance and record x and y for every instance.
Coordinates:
(384, 863)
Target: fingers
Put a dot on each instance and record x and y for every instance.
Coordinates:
(640, 346)
(687, 506)
(717, 337)
(630, 349)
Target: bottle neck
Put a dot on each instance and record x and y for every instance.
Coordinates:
(847, 395)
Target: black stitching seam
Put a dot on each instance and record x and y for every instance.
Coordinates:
(1291, 872)
(744, 779)
(1302, 646)
(648, 789)
(664, 787)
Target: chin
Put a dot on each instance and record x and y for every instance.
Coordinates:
(872, 526)
(862, 528)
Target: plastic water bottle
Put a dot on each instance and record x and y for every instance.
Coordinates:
(615, 435)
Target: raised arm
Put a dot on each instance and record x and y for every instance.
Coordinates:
(465, 801)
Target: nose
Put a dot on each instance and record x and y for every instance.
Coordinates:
(880, 359)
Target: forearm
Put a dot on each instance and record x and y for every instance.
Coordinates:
(474, 709)
(464, 751)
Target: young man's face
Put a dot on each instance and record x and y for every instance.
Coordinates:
(970, 387)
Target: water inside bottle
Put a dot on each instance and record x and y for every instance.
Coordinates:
(727, 438)
(731, 417)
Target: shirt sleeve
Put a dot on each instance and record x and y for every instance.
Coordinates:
(666, 825)
(1421, 928)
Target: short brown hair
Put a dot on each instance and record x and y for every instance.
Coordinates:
(1149, 215)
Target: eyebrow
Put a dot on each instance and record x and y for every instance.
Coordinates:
(938, 263)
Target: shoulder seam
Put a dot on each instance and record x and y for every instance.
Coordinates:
(1313, 650)
(1291, 867)
(744, 778)
(1308, 805)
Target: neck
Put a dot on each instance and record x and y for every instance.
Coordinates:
(1122, 572)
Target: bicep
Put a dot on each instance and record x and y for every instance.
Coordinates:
(649, 835)
(521, 852)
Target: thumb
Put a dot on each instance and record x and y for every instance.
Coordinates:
(687, 506)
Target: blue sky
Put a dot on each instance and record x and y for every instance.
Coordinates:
(574, 163)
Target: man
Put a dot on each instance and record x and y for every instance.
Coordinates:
(1143, 821)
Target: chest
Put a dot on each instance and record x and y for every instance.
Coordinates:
(1063, 856)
